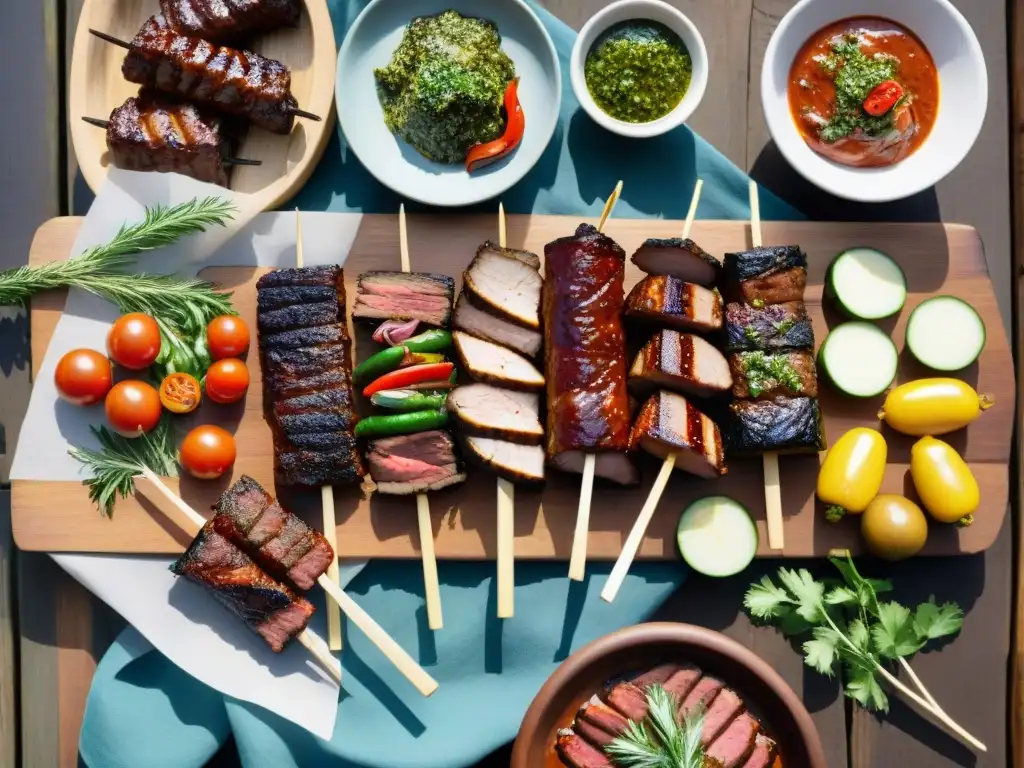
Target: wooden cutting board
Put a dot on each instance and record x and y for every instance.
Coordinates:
(57, 516)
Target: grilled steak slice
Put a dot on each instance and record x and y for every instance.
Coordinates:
(764, 753)
(504, 285)
(703, 694)
(593, 735)
(598, 714)
(767, 275)
(422, 458)
(317, 468)
(514, 462)
(244, 502)
(305, 361)
(655, 675)
(475, 321)
(726, 706)
(304, 337)
(286, 386)
(269, 525)
(326, 274)
(287, 547)
(226, 21)
(326, 399)
(736, 743)
(629, 700)
(234, 81)
(404, 296)
(300, 316)
(774, 326)
(291, 424)
(767, 375)
(324, 441)
(495, 364)
(267, 606)
(668, 424)
(409, 489)
(683, 259)
(670, 301)
(681, 362)
(577, 753)
(789, 425)
(682, 682)
(617, 467)
(489, 411)
(286, 295)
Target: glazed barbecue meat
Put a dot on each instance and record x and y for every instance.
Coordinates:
(304, 353)
(668, 424)
(681, 362)
(404, 296)
(775, 326)
(505, 283)
(267, 606)
(669, 301)
(226, 21)
(767, 375)
(682, 259)
(416, 463)
(234, 81)
(786, 425)
(767, 275)
(585, 347)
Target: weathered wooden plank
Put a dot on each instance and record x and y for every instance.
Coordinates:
(39, 579)
(8, 680)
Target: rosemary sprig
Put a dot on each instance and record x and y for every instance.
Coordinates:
(661, 740)
(119, 461)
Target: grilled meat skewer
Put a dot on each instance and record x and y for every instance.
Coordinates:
(668, 424)
(417, 463)
(681, 362)
(669, 301)
(766, 375)
(225, 21)
(505, 283)
(766, 275)
(474, 321)
(523, 464)
(775, 326)
(682, 259)
(494, 364)
(785, 425)
(489, 411)
(404, 296)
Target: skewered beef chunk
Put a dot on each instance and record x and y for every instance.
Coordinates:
(683, 259)
(764, 753)
(785, 425)
(492, 363)
(475, 321)
(225, 21)
(234, 81)
(774, 326)
(244, 502)
(723, 709)
(285, 386)
(668, 424)
(681, 362)
(325, 274)
(670, 301)
(767, 275)
(505, 285)
(489, 411)
(326, 398)
(316, 468)
(576, 752)
(585, 344)
(408, 464)
(767, 375)
(324, 441)
(300, 316)
(286, 295)
(291, 424)
(404, 296)
(304, 361)
(304, 337)
(512, 461)
(734, 746)
(267, 606)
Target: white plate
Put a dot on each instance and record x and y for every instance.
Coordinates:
(370, 43)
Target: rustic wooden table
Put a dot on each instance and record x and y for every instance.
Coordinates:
(52, 631)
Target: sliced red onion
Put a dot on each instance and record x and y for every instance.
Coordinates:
(392, 332)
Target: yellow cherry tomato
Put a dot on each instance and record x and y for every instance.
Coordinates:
(944, 482)
(932, 406)
(851, 474)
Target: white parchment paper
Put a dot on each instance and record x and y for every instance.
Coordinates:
(179, 618)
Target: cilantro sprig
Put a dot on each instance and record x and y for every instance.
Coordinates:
(850, 628)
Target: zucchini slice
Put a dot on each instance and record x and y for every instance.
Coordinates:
(859, 359)
(945, 333)
(866, 284)
(716, 536)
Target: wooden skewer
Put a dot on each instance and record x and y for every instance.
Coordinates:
(326, 503)
(104, 124)
(578, 557)
(636, 535)
(431, 586)
(506, 510)
(397, 655)
(770, 460)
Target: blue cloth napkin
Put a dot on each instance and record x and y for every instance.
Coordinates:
(143, 712)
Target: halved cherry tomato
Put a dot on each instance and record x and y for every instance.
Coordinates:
(227, 336)
(207, 452)
(134, 341)
(227, 381)
(882, 98)
(133, 408)
(83, 377)
(180, 392)
(515, 125)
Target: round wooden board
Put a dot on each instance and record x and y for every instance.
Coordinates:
(309, 50)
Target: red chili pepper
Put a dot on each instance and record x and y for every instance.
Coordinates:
(483, 154)
(883, 98)
(407, 377)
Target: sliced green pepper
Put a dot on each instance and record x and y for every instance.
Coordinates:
(401, 423)
(408, 400)
(434, 340)
(384, 361)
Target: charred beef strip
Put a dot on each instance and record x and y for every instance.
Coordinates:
(683, 259)
(234, 81)
(766, 275)
(786, 425)
(767, 375)
(576, 752)
(227, 21)
(775, 326)
(286, 295)
(304, 337)
(267, 606)
(669, 301)
(505, 284)
(736, 743)
(668, 424)
(681, 362)
(404, 296)
(416, 463)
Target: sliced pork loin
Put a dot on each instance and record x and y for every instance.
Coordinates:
(672, 302)
(473, 320)
(681, 362)
(408, 464)
(490, 411)
(512, 461)
(679, 258)
(668, 424)
(492, 363)
(505, 285)
(736, 743)
(577, 753)
(404, 296)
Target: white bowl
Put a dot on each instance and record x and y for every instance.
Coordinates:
(963, 94)
(640, 10)
(370, 43)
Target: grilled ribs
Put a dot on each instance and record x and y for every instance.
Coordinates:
(227, 21)
(233, 81)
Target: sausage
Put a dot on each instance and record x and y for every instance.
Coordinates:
(229, 22)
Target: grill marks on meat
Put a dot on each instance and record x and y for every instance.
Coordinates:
(733, 747)
(476, 322)
(585, 347)
(770, 274)
(494, 364)
(505, 284)
(577, 753)
(234, 81)
(408, 464)
(267, 606)
(225, 21)
(682, 259)
(775, 326)
(668, 424)
(489, 411)
(405, 296)
(304, 349)
(788, 425)
(669, 301)
(800, 362)
(681, 362)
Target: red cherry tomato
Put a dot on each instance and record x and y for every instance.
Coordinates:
(134, 341)
(227, 381)
(83, 377)
(882, 98)
(133, 407)
(207, 452)
(180, 392)
(227, 336)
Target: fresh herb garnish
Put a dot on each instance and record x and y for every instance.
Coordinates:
(766, 371)
(751, 334)
(784, 326)
(661, 740)
(855, 76)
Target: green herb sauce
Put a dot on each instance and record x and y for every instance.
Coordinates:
(784, 326)
(855, 76)
(751, 334)
(638, 71)
(766, 371)
(444, 88)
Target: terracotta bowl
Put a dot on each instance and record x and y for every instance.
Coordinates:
(644, 646)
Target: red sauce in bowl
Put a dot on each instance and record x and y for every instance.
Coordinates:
(864, 92)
